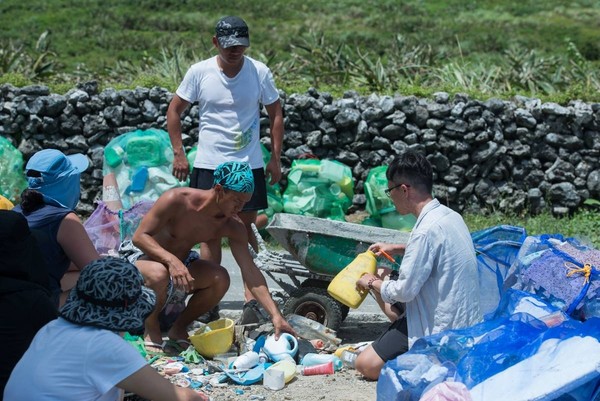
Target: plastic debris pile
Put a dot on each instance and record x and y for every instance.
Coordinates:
(142, 162)
(527, 350)
(12, 179)
(319, 188)
(255, 357)
(540, 336)
(109, 228)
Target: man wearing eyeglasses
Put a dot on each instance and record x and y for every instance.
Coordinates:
(437, 282)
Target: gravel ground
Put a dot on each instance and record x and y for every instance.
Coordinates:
(344, 385)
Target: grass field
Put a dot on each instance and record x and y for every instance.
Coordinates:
(366, 45)
(549, 49)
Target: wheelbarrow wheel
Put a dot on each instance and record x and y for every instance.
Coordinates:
(316, 304)
(312, 282)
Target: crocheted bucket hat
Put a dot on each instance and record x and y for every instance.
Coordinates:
(110, 295)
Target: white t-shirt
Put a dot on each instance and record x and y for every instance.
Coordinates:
(438, 276)
(229, 110)
(70, 362)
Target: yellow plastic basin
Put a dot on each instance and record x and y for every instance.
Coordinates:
(216, 341)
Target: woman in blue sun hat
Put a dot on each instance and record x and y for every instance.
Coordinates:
(82, 355)
(48, 204)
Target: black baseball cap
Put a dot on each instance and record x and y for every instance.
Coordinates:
(232, 31)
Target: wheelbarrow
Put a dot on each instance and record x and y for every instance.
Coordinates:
(316, 250)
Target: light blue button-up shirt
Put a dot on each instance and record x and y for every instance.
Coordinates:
(438, 278)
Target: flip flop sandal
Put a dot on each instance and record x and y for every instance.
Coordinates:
(157, 346)
(246, 377)
(178, 345)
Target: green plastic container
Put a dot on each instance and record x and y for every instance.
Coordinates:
(378, 202)
(319, 188)
(12, 177)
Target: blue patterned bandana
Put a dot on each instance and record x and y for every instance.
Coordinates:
(236, 176)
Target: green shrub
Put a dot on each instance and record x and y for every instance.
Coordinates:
(15, 78)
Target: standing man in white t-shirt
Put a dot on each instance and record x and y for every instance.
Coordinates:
(230, 89)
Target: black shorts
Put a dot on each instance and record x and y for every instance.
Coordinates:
(392, 342)
(203, 178)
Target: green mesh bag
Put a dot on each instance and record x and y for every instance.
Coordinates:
(12, 178)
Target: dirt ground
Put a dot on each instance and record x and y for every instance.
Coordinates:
(344, 385)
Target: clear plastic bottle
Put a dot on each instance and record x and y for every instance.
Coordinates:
(310, 330)
(262, 357)
(349, 358)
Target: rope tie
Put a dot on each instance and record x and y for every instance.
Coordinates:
(586, 270)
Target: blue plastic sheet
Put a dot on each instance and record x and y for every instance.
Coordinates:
(496, 248)
(514, 334)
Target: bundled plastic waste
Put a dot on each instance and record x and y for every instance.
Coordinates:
(526, 350)
(319, 188)
(382, 212)
(142, 161)
(563, 271)
(12, 179)
(108, 228)
(497, 248)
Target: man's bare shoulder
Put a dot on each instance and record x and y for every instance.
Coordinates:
(185, 196)
(234, 228)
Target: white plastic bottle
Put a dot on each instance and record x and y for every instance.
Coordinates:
(247, 360)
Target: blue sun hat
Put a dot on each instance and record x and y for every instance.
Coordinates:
(60, 174)
(235, 176)
(110, 294)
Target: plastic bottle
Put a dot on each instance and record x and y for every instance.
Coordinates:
(311, 329)
(262, 357)
(322, 369)
(285, 346)
(349, 358)
(343, 286)
(312, 359)
(288, 366)
(247, 360)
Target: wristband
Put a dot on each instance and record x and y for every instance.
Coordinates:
(371, 281)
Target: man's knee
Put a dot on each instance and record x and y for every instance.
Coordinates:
(155, 274)
(369, 364)
(209, 275)
(222, 279)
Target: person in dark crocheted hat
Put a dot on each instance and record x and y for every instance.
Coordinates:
(82, 355)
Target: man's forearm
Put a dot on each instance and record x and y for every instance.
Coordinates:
(276, 128)
(174, 129)
(259, 289)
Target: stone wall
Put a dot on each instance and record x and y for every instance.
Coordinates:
(520, 155)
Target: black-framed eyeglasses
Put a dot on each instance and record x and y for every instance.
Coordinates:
(388, 191)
